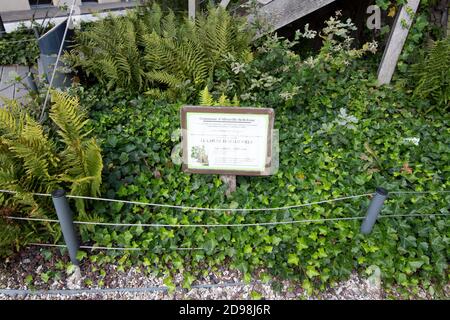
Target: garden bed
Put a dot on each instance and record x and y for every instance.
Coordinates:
(115, 134)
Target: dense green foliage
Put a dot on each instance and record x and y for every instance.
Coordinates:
(137, 144)
(433, 75)
(148, 50)
(11, 238)
(19, 47)
(347, 138)
(35, 160)
(339, 134)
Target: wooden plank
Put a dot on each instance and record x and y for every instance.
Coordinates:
(6, 85)
(224, 3)
(396, 42)
(282, 12)
(193, 6)
(1, 73)
(20, 90)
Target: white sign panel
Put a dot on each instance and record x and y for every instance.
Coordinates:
(227, 140)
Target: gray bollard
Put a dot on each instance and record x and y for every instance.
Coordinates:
(65, 217)
(374, 210)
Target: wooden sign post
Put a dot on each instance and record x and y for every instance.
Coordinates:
(228, 141)
(396, 41)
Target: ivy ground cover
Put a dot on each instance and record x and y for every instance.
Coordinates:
(323, 155)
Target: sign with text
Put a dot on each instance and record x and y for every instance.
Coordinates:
(227, 140)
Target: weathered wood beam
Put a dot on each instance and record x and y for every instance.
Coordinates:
(396, 41)
(193, 6)
(282, 12)
(224, 3)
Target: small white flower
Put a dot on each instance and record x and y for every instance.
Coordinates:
(245, 96)
(237, 67)
(308, 34)
(413, 140)
(346, 120)
(311, 62)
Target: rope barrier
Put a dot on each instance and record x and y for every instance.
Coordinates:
(14, 81)
(227, 209)
(198, 208)
(156, 225)
(220, 209)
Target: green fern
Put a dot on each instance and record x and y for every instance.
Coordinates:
(433, 74)
(9, 235)
(32, 162)
(206, 99)
(198, 50)
(148, 51)
(109, 50)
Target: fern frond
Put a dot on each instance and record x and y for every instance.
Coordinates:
(433, 74)
(164, 77)
(68, 116)
(223, 101)
(235, 102)
(206, 98)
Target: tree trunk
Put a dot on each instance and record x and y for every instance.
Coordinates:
(439, 16)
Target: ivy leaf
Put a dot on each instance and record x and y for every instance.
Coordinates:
(209, 246)
(168, 282)
(45, 277)
(81, 255)
(293, 259)
(415, 264)
(188, 280)
(311, 272)
(255, 295)
(70, 269)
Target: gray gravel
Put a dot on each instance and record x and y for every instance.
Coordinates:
(32, 263)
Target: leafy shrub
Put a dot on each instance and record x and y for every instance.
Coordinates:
(149, 51)
(19, 47)
(108, 50)
(193, 55)
(278, 76)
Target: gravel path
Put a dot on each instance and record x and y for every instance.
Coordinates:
(45, 270)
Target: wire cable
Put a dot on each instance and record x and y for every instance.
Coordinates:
(57, 60)
(15, 82)
(200, 208)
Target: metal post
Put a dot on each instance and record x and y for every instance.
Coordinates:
(65, 217)
(373, 211)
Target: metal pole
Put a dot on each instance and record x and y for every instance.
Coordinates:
(374, 210)
(65, 217)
